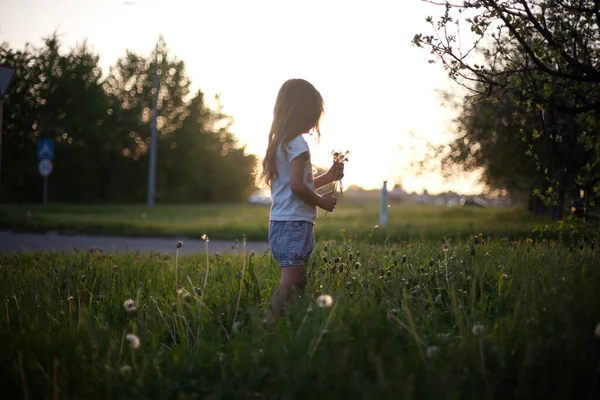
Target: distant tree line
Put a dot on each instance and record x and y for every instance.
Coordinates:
(100, 125)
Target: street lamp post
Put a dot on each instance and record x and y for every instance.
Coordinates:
(151, 195)
(153, 139)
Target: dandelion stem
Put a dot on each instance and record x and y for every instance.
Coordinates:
(56, 379)
(176, 263)
(22, 372)
(482, 355)
(322, 332)
(205, 276)
(241, 283)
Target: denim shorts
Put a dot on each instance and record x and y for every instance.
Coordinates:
(291, 242)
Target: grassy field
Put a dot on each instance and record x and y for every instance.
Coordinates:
(231, 221)
(471, 319)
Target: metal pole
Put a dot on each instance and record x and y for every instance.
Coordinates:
(1, 116)
(153, 144)
(45, 190)
(383, 210)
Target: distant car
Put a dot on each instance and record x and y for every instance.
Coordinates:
(260, 198)
(474, 202)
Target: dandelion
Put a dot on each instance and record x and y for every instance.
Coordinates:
(438, 299)
(478, 329)
(236, 326)
(129, 304)
(342, 231)
(433, 351)
(357, 265)
(404, 258)
(187, 297)
(179, 244)
(134, 341)
(125, 369)
(597, 330)
(70, 299)
(325, 301)
(431, 262)
(204, 237)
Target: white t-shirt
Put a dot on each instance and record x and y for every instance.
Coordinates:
(286, 205)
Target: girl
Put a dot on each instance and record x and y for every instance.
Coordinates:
(288, 171)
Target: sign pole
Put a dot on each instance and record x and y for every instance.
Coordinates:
(45, 190)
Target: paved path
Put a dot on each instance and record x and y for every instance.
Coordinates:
(52, 241)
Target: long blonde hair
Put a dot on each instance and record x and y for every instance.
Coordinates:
(298, 109)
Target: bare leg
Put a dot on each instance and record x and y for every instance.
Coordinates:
(292, 280)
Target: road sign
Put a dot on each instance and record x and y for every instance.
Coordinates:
(45, 149)
(45, 167)
(7, 75)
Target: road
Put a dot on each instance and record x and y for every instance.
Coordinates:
(12, 242)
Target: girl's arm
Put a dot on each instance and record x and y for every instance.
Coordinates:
(336, 171)
(299, 188)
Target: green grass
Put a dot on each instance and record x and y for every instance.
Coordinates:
(231, 221)
(63, 324)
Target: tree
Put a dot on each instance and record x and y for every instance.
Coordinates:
(101, 130)
(130, 88)
(544, 56)
(202, 161)
(56, 97)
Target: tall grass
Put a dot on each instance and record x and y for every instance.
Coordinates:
(420, 320)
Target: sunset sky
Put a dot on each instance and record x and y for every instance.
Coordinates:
(377, 86)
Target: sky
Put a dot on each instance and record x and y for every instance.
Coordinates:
(381, 95)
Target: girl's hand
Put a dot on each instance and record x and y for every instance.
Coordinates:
(336, 172)
(328, 201)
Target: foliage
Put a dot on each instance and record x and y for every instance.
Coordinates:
(101, 129)
(542, 57)
(466, 319)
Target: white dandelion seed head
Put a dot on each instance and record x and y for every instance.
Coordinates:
(325, 301)
(236, 326)
(597, 330)
(204, 237)
(478, 329)
(134, 341)
(129, 304)
(125, 369)
(433, 351)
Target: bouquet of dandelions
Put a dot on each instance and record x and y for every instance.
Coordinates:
(339, 157)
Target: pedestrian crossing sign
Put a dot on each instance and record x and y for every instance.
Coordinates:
(45, 149)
